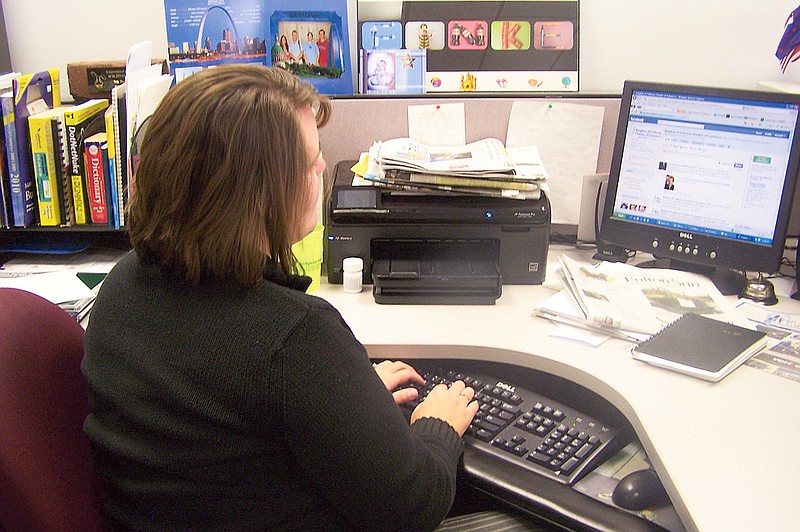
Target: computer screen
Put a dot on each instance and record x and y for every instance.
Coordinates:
(703, 178)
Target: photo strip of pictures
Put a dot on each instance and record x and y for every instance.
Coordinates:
(417, 46)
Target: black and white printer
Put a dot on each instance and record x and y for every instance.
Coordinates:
(432, 247)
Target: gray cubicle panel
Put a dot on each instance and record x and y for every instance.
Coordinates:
(5, 55)
(358, 122)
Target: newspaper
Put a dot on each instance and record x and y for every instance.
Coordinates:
(643, 300)
(561, 307)
(486, 158)
(456, 184)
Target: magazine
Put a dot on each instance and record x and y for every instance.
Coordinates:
(643, 300)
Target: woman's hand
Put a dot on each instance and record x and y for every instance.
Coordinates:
(453, 405)
(394, 374)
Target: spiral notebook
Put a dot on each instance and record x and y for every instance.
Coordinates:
(699, 346)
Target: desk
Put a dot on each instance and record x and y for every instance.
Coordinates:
(725, 452)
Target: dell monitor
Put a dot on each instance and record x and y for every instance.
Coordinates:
(703, 179)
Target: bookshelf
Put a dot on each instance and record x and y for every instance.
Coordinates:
(59, 239)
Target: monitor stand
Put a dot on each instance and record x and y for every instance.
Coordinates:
(729, 282)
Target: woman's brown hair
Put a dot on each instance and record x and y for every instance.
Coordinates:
(222, 181)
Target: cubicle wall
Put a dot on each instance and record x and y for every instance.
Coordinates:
(5, 54)
(358, 122)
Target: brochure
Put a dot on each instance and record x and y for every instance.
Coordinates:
(782, 359)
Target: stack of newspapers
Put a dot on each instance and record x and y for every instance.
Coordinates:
(484, 168)
(631, 302)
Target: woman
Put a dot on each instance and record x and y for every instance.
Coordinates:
(285, 47)
(223, 396)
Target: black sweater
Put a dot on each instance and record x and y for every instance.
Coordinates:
(223, 407)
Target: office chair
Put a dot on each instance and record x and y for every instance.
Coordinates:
(47, 479)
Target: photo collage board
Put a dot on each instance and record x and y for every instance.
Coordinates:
(424, 46)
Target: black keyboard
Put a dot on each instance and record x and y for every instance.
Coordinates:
(526, 428)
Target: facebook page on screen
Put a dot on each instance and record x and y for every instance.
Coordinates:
(705, 164)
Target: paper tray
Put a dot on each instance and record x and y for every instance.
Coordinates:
(469, 281)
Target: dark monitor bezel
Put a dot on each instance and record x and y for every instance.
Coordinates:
(668, 243)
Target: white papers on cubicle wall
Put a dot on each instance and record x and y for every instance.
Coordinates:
(441, 124)
(568, 138)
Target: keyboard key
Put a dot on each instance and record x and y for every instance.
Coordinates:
(486, 425)
(484, 435)
(583, 451)
(519, 450)
(538, 458)
(569, 465)
(506, 416)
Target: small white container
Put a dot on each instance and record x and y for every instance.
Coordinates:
(353, 271)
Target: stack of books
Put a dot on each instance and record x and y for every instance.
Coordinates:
(484, 168)
(63, 165)
(58, 166)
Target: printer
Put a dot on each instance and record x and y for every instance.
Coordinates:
(434, 247)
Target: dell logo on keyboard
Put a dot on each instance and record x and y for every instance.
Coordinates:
(687, 236)
(506, 387)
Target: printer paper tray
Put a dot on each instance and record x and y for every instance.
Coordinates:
(470, 281)
(417, 296)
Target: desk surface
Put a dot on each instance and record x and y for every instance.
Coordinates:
(724, 451)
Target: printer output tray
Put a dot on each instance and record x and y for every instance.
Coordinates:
(434, 278)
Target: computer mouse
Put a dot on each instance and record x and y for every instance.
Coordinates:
(639, 490)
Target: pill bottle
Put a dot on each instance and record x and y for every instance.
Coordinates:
(353, 268)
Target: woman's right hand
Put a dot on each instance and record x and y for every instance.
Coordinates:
(453, 405)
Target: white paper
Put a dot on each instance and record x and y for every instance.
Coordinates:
(56, 287)
(138, 68)
(138, 56)
(568, 138)
(151, 91)
(438, 125)
(134, 80)
(92, 260)
(576, 334)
